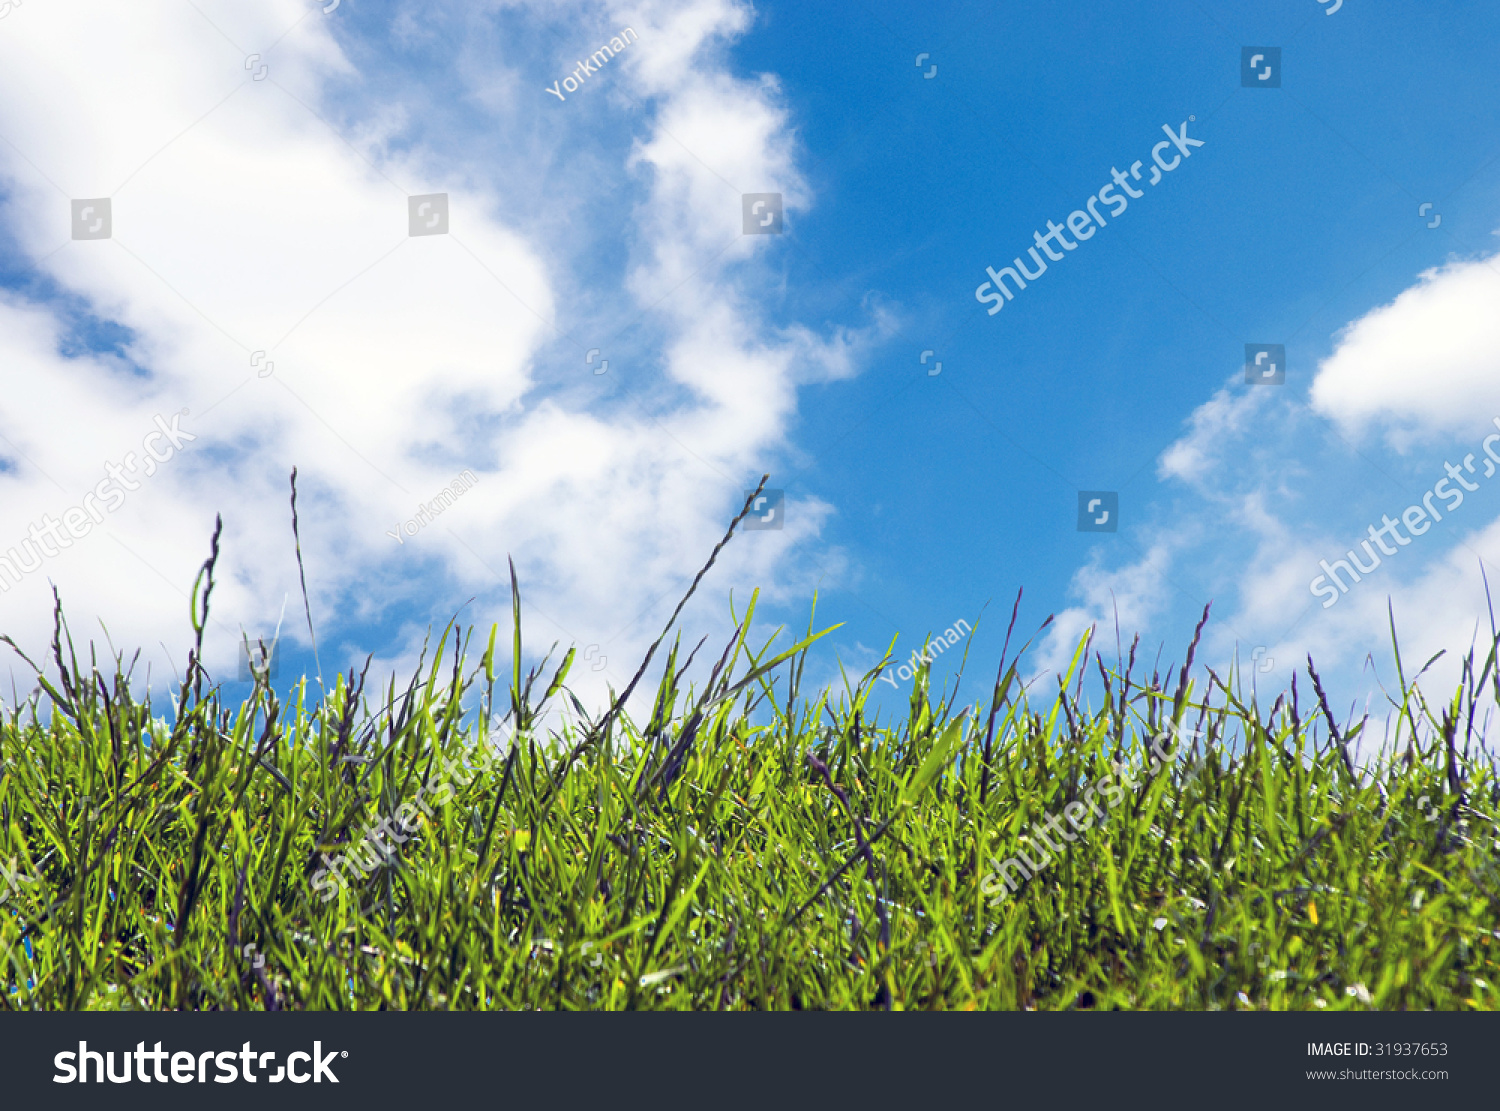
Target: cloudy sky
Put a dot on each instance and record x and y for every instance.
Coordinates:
(583, 324)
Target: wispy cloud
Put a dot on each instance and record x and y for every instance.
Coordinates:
(262, 223)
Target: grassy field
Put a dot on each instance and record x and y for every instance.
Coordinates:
(750, 845)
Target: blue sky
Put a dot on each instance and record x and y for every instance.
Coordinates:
(270, 216)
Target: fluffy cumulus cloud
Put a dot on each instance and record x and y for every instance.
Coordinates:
(1426, 363)
(1407, 389)
(261, 288)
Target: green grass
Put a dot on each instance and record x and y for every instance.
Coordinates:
(750, 845)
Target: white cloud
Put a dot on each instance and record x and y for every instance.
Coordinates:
(1132, 596)
(243, 222)
(1198, 457)
(1427, 363)
(1276, 480)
